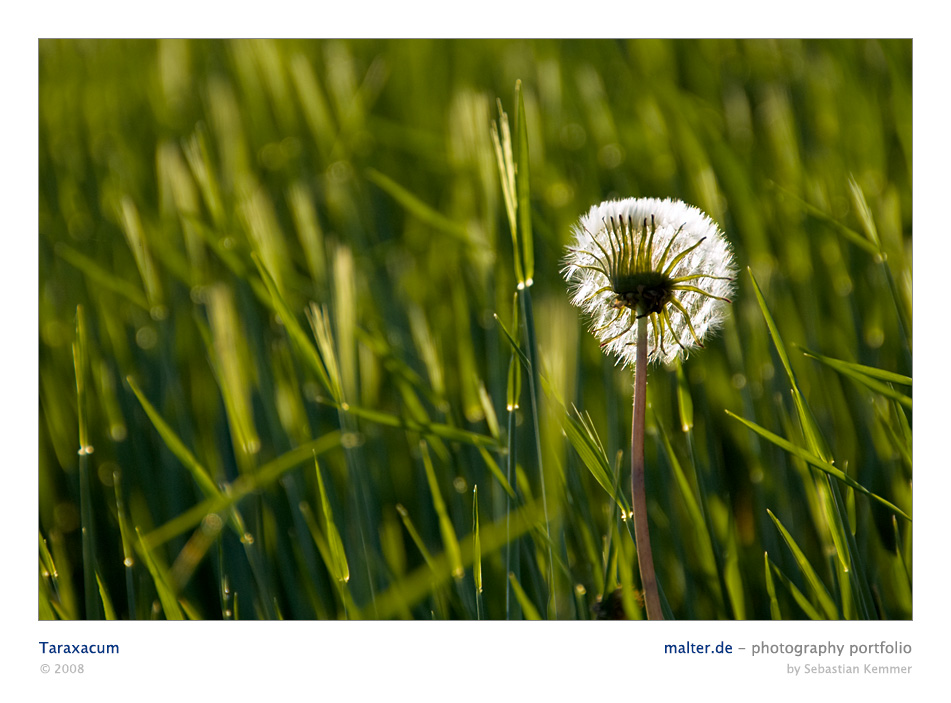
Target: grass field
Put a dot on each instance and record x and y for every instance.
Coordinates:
(301, 313)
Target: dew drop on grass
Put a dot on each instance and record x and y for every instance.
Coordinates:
(573, 136)
(66, 516)
(559, 194)
(211, 524)
(349, 440)
(611, 155)
(340, 171)
(146, 337)
(106, 473)
(874, 336)
(55, 333)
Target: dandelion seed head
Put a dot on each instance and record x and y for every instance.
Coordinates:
(660, 259)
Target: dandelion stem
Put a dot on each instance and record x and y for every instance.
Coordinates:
(645, 559)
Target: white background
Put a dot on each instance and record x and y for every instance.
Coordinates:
(463, 661)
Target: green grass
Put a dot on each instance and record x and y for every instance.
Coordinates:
(301, 307)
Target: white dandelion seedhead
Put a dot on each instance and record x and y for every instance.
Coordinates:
(660, 259)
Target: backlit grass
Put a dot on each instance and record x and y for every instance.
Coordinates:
(306, 351)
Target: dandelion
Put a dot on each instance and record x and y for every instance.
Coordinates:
(660, 259)
(655, 277)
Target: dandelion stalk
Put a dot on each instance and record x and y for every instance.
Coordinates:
(645, 559)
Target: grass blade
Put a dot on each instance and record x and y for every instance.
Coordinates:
(774, 612)
(338, 557)
(416, 585)
(807, 607)
(175, 445)
(417, 207)
(584, 439)
(108, 611)
(817, 462)
(528, 608)
(166, 596)
(846, 232)
(477, 554)
(818, 588)
(867, 376)
(101, 277)
(90, 568)
(506, 164)
(263, 477)
(446, 529)
(296, 331)
(522, 188)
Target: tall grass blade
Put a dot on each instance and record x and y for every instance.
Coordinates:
(533, 392)
(528, 608)
(867, 376)
(709, 561)
(263, 477)
(434, 430)
(477, 554)
(864, 214)
(175, 445)
(199, 161)
(584, 439)
(450, 542)
(818, 588)
(416, 585)
(774, 612)
(102, 277)
(338, 557)
(807, 607)
(817, 462)
(167, 597)
(522, 189)
(846, 232)
(138, 243)
(90, 567)
(502, 141)
(108, 610)
(309, 232)
(412, 204)
(128, 543)
(296, 332)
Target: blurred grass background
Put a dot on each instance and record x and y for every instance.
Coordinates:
(269, 279)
